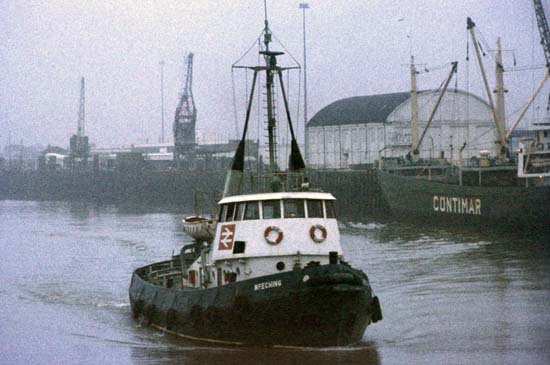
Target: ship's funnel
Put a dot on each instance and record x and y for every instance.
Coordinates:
(234, 179)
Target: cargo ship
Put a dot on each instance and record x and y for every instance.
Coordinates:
(510, 190)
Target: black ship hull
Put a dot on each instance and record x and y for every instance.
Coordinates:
(329, 305)
(503, 207)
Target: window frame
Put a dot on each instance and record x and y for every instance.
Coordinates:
(271, 200)
(321, 201)
(297, 205)
(248, 204)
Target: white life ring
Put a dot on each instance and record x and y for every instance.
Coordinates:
(318, 233)
(269, 236)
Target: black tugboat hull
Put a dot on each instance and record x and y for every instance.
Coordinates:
(329, 305)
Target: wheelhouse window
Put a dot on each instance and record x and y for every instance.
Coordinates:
(239, 211)
(223, 212)
(271, 209)
(329, 206)
(252, 211)
(294, 208)
(314, 208)
(230, 212)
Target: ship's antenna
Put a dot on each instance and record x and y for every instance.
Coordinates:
(267, 33)
(265, 12)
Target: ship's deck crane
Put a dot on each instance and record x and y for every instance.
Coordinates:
(185, 119)
(79, 148)
(416, 141)
(497, 112)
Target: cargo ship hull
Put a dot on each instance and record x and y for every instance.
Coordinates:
(506, 207)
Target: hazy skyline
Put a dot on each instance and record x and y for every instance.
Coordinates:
(354, 48)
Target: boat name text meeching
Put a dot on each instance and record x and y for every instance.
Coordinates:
(447, 204)
(268, 285)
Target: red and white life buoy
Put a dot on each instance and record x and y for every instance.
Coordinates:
(318, 233)
(273, 235)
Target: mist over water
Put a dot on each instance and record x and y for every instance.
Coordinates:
(447, 297)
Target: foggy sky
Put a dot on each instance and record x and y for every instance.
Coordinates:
(354, 48)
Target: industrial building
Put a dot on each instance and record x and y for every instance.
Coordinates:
(359, 130)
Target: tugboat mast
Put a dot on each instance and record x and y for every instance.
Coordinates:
(233, 183)
(271, 65)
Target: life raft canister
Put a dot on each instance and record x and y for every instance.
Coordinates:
(269, 236)
(318, 233)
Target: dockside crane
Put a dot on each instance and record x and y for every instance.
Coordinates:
(79, 148)
(544, 32)
(185, 119)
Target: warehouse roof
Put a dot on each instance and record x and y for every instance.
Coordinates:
(359, 110)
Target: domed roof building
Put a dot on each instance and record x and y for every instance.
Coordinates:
(359, 130)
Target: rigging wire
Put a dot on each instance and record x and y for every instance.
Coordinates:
(467, 82)
(286, 50)
(525, 68)
(298, 102)
(249, 49)
(235, 104)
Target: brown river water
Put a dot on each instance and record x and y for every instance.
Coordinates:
(448, 297)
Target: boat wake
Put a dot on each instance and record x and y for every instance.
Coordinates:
(53, 293)
(364, 226)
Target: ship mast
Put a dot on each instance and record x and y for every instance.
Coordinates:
(414, 113)
(500, 90)
(271, 64)
(500, 137)
(233, 182)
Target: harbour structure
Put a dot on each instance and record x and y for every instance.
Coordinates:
(79, 149)
(274, 272)
(185, 119)
(360, 130)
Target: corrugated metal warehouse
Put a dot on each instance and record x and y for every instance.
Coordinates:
(360, 129)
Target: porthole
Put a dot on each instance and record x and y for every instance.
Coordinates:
(280, 266)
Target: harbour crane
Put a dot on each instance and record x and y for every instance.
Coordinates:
(544, 32)
(185, 119)
(79, 148)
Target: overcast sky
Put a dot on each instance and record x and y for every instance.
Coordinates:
(354, 48)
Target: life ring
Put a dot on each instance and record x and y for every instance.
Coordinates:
(314, 233)
(269, 239)
(540, 146)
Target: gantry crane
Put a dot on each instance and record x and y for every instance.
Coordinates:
(544, 32)
(185, 119)
(79, 148)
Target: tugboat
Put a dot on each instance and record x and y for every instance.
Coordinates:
(274, 274)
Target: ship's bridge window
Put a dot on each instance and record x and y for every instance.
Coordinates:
(329, 207)
(314, 208)
(294, 208)
(223, 212)
(230, 212)
(252, 211)
(271, 209)
(239, 211)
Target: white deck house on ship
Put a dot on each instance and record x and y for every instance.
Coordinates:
(358, 130)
